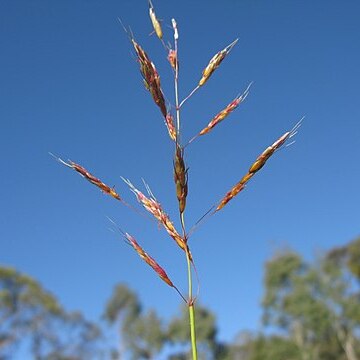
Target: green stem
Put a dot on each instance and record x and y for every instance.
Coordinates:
(190, 301)
(191, 309)
(192, 329)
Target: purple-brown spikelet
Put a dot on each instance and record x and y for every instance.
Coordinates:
(225, 112)
(155, 208)
(151, 77)
(180, 178)
(169, 122)
(215, 62)
(257, 165)
(148, 259)
(91, 178)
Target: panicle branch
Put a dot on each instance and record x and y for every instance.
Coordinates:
(257, 165)
(148, 259)
(91, 178)
(154, 207)
(223, 113)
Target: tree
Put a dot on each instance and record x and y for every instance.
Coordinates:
(141, 334)
(316, 304)
(31, 315)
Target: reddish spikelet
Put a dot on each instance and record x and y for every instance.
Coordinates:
(224, 113)
(180, 178)
(91, 178)
(155, 208)
(169, 122)
(215, 62)
(149, 260)
(257, 165)
(155, 22)
(172, 58)
(151, 77)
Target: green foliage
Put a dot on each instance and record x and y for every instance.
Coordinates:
(145, 336)
(316, 304)
(122, 302)
(142, 333)
(313, 310)
(30, 314)
(272, 347)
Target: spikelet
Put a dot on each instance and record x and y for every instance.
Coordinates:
(215, 62)
(155, 22)
(257, 165)
(148, 259)
(172, 58)
(169, 122)
(224, 113)
(154, 207)
(180, 178)
(91, 178)
(150, 76)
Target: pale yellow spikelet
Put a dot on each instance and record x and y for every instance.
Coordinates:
(155, 22)
(215, 62)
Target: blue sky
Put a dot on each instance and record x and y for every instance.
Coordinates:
(70, 85)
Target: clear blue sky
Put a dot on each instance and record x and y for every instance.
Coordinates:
(70, 85)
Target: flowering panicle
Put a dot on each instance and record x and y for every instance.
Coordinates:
(215, 62)
(180, 178)
(151, 77)
(148, 259)
(154, 207)
(172, 114)
(224, 113)
(257, 165)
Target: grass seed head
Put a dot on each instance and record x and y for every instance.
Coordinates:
(180, 178)
(91, 178)
(229, 195)
(215, 62)
(154, 207)
(224, 113)
(155, 22)
(151, 77)
(148, 259)
(258, 164)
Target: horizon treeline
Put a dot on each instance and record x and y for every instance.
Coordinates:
(310, 311)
